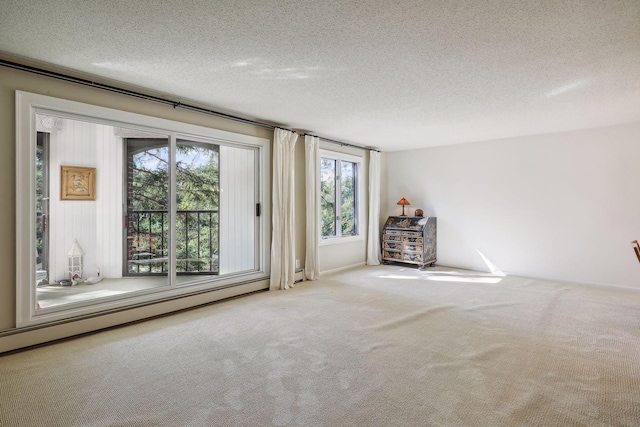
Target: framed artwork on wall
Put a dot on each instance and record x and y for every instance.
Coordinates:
(77, 183)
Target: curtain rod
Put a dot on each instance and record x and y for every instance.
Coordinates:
(344, 144)
(174, 104)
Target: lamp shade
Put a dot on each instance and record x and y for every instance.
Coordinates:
(403, 202)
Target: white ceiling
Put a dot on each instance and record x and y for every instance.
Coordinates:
(375, 73)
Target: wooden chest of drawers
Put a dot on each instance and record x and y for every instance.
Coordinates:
(410, 239)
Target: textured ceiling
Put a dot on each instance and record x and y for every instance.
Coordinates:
(376, 73)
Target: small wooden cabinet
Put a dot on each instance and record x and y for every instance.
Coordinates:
(410, 239)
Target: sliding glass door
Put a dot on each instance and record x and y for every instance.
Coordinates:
(126, 211)
(146, 239)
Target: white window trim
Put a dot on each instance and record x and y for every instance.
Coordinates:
(27, 105)
(325, 241)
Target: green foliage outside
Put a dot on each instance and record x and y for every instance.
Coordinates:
(197, 198)
(346, 200)
(328, 197)
(39, 205)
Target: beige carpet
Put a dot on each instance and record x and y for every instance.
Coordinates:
(374, 346)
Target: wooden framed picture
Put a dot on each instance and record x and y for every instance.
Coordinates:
(77, 183)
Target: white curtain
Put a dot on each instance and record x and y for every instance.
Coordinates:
(283, 241)
(373, 236)
(312, 166)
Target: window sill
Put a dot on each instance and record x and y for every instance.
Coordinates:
(337, 240)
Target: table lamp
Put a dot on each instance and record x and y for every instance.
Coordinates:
(403, 202)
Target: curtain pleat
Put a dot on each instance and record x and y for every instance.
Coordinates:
(283, 239)
(312, 167)
(373, 236)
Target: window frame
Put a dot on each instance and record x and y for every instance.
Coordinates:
(27, 106)
(359, 187)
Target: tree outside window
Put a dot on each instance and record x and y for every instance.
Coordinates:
(338, 197)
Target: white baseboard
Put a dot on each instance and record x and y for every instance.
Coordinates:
(15, 339)
(346, 267)
(551, 279)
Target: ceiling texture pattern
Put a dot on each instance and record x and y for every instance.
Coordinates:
(394, 76)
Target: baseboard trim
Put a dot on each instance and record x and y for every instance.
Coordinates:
(339, 269)
(19, 338)
(551, 279)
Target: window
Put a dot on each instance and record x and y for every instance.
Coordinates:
(174, 209)
(197, 215)
(340, 195)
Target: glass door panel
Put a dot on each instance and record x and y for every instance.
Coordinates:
(348, 213)
(328, 197)
(197, 210)
(238, 219)
(216, 210)
(147, 240)
(84, 179)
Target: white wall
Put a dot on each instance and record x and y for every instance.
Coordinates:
(96, 225)
(73, 145)
(237, 210)
(109, 203)
(563, 206)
